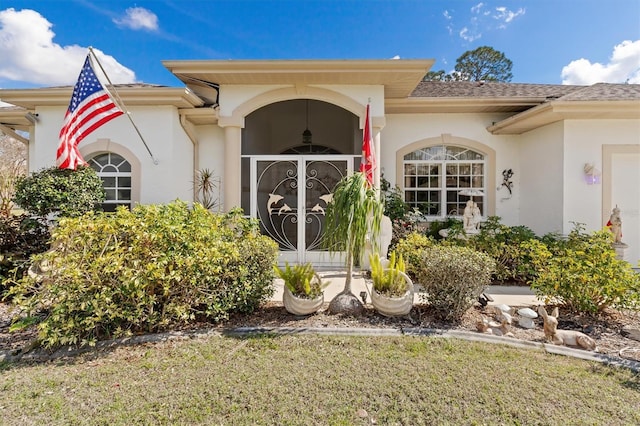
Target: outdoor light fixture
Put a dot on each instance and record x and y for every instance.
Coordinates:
(306, 135)
(591, 174)
(33, 118)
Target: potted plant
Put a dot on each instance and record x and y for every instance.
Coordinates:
(302, 294)
(392, 293)
(353, 216)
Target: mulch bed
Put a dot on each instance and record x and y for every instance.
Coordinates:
(606, 330)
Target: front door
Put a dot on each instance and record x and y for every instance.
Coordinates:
(289, 195)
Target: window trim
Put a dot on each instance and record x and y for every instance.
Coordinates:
(448, 139)
(103, 146)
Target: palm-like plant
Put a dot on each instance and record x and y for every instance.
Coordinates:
(351, 218)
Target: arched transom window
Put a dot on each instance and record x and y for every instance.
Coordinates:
(436, 179)
(115, 173)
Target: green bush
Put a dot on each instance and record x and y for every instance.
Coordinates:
(69, 193)
(452, 279)
(504, 245)
(144, 270)
(412, 249)
(20, 238)
(583, 273)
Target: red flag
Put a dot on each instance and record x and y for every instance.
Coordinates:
(368, 162)
(90, 107)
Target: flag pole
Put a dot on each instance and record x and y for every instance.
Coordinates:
(122, 106)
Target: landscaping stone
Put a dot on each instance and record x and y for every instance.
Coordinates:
(631, 333)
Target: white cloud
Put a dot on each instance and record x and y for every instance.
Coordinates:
(505, 15)
(30, 55)
(623, 66)
(483, 19)
(138, 18)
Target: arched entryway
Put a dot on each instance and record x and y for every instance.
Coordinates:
(288, 178)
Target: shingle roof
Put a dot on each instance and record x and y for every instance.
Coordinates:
(605, 92)
(476, 89)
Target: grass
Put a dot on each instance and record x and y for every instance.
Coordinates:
(325, 380)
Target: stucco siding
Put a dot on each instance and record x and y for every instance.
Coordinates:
(541, 179)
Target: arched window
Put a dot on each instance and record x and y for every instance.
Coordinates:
(115, 173)
(435, 176)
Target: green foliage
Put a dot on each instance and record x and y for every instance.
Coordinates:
(146, 269)
(583, 273)
(394, 205)
(504, 244)
(20, 238)
(484, 64)
(412, 248)
(207, 187)
(452, 279)
(354, 213)
(69, 193)
(301, 280)
(388, 280)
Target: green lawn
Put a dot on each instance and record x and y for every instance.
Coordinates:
(325, 380)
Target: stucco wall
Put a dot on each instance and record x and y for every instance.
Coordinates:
(541, 179)
(168, 180)
(592, 204)
(402, 130)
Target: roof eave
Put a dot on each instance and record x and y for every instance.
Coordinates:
(458, 105)
(555, 111)
(59, 96)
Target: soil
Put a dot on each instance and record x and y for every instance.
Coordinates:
(606, 329)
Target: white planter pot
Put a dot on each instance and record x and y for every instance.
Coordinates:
(394, 306)
(299, 305)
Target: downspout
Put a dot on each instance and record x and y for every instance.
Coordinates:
(191, 133)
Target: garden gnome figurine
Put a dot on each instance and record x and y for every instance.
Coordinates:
(615, 225)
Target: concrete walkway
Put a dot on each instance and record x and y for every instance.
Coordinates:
(508, 295)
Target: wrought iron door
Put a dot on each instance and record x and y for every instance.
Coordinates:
(289, 195)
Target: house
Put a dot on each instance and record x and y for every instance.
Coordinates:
(279, 134)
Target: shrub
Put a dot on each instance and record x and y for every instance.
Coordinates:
(452, 279)
(583, 273)
(394, 205)
(412, 249)
(146, 269)
(20, 237)
(504, 245)
(69, 193)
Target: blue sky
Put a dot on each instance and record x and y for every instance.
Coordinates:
(43, 43)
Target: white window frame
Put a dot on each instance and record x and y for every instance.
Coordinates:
(435, 185)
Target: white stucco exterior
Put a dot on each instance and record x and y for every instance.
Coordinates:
(546, 143)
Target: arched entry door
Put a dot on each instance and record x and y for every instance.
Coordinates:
(289, 195)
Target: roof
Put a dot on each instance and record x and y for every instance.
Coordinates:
(480, 89)
(398, 76)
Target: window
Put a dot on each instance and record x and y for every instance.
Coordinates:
(435, 176)
(115, 173)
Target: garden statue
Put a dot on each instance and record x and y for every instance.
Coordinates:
(564, 337)
(615, 225)
(468, 218)
(477, 216)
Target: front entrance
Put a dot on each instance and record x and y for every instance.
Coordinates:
(289, 195)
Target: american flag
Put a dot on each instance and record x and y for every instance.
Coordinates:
(368, 162)
(91, 106)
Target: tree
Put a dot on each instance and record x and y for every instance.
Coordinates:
(481, 64)
(13, 163)
(354, 213)
(484, 64)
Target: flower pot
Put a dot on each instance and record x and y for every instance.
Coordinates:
(394, 306)
(300, 305)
